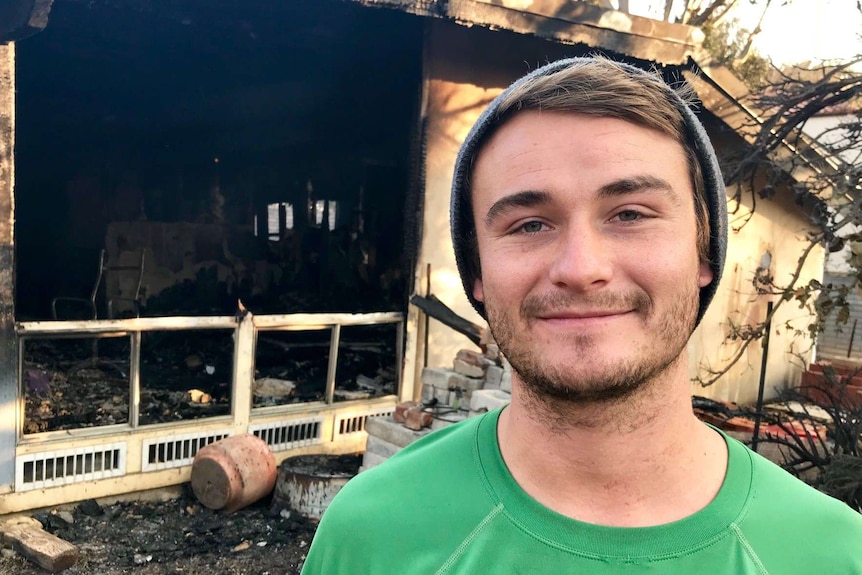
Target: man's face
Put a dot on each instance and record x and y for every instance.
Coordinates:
(587, 242)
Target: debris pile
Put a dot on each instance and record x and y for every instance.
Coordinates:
(292, 370)
(797, 420)
(176, 535)
(82, 383)
(476, 383)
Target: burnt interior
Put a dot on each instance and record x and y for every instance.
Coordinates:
(256, 150)
(253, 150)
(79, 382)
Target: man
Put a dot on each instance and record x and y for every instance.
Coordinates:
(589, 224)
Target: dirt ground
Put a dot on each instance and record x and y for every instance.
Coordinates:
(174, 536)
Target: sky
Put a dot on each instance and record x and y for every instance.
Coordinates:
(801, 30)
(809, 30)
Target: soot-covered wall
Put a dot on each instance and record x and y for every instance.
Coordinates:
(255, 149)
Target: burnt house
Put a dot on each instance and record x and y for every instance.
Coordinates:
(162, 162)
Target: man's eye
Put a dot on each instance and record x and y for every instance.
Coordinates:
(532, 227)
(628, 215)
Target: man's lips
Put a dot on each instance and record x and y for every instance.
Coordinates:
(574, 308)
(581, 314)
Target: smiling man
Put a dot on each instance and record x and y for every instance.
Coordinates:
(589, 225)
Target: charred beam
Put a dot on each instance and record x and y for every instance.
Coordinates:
(22, 18)
(439, 311)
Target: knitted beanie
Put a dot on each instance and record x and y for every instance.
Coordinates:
(460, 212)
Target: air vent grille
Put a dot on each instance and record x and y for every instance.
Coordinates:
(348, 426)
(176, 450)
(282, 436)
(62, 467)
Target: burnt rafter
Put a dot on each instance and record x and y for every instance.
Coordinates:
(22, 18)
(442, 313)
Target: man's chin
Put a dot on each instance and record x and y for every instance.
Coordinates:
(582, 381)
(581, 392)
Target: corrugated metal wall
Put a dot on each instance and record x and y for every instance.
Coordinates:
(837, 340)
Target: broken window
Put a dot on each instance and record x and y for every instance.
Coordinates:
(82, 382)
(75, 382)
(279, 219)
(185, 375)
(296, 366)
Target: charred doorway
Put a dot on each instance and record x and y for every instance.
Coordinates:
(173, 158)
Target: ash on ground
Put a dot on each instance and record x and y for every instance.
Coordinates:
(175, 536)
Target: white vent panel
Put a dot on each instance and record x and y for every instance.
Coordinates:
(285, 435)
(176, 450)
(350, 425)
(62, 467)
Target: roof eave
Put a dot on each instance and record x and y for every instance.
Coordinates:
(566, 22)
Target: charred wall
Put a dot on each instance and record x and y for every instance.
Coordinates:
(253, 149)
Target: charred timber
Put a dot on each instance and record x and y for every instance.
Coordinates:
(439, 311)
(22, 18)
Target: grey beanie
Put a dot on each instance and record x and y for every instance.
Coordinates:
(460, 209)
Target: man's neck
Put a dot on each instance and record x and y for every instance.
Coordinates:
(645, 460)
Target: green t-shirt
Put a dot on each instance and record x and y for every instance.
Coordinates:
(448, 504)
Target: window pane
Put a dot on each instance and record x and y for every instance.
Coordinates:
(332, 211)
(272, 220)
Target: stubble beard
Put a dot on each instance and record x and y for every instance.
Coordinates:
(551, 384)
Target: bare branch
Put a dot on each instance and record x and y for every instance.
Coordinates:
(797, 273)
(746, 51)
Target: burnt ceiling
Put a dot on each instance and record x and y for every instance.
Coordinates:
(22, 18)
(191, 71)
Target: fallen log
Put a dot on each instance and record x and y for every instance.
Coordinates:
(42, 548)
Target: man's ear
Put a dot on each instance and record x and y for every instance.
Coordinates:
(704, 277)
(478, 290)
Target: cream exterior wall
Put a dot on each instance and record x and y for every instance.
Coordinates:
(778, 227)
(464, 70)
(452, 109)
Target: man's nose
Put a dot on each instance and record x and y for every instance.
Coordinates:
(582, 259)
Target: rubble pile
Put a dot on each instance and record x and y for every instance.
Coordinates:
(158, 536)
(295, 372)
(476, 383)
(71, 384)
(800, 421)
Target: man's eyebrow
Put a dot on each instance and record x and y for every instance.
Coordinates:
(525, 199)
(621, 187)
(635, 184)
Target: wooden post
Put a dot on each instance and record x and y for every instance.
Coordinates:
(334, 340)
(243, 374)
(8, 351)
